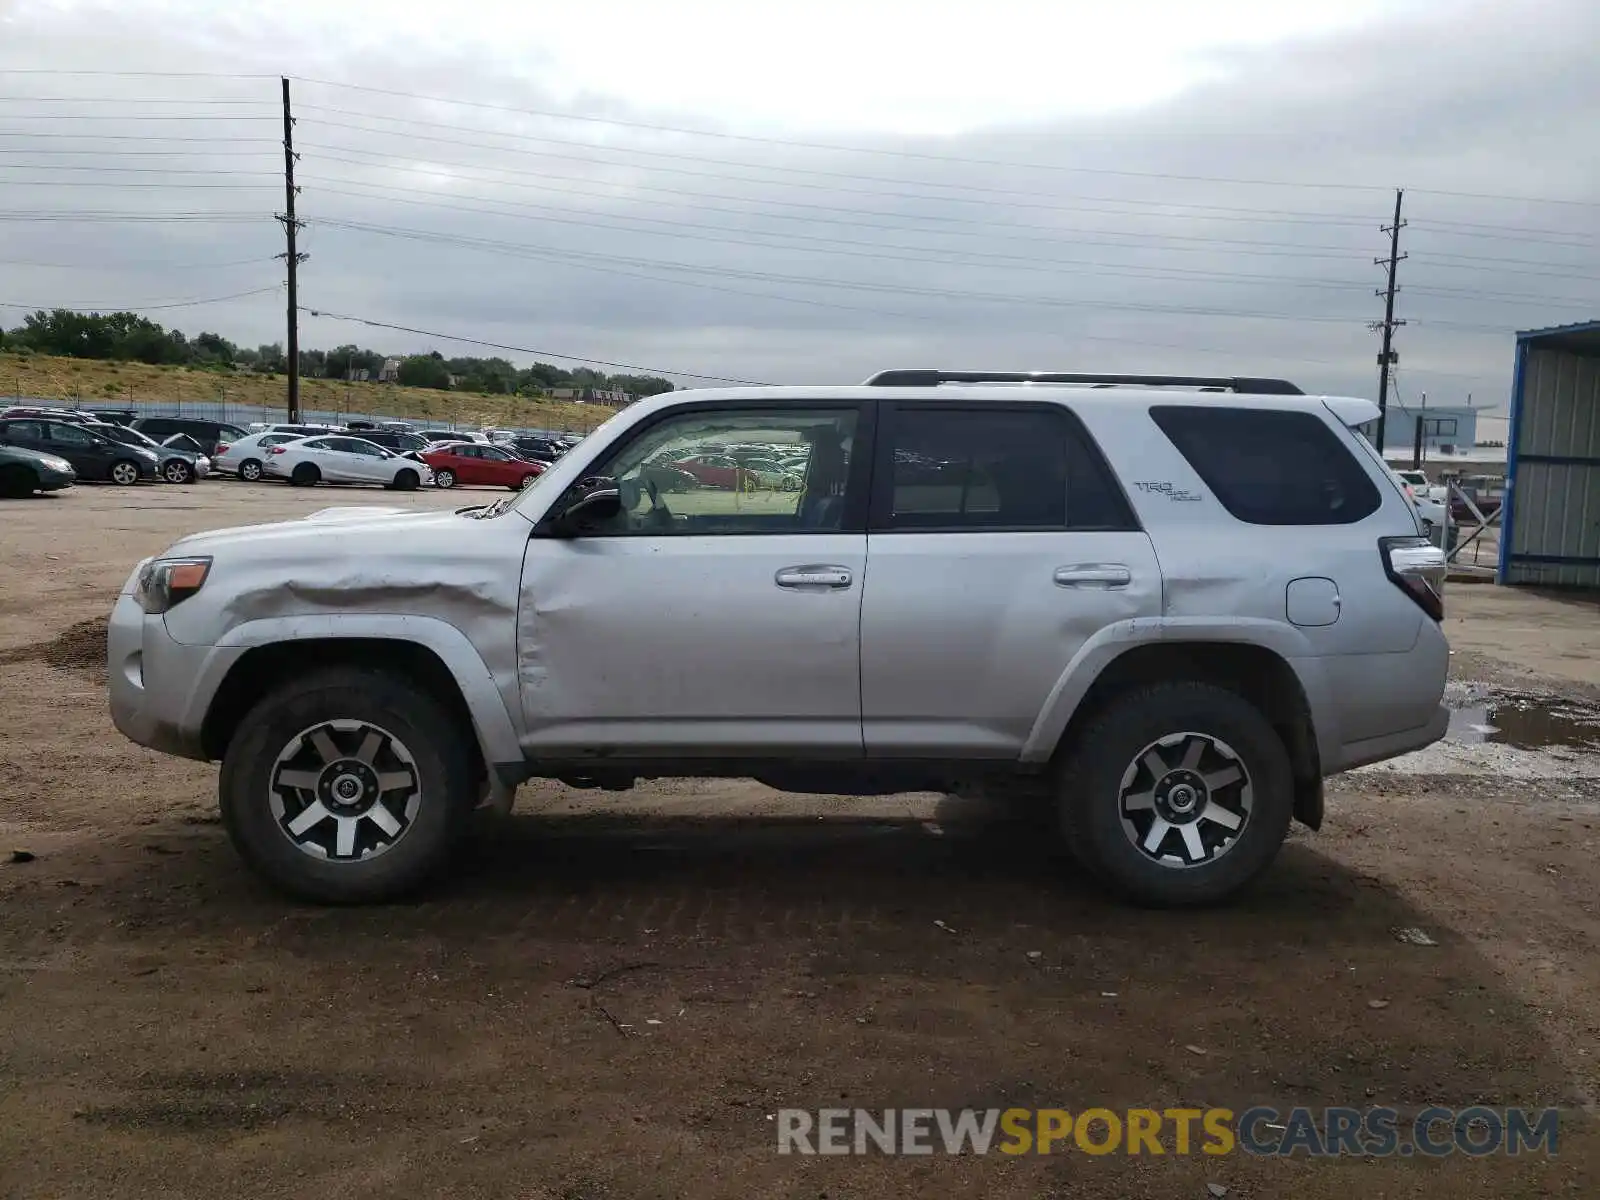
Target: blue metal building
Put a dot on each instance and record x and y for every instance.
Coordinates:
(1550, 525)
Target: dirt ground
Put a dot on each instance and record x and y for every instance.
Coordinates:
(616, 993)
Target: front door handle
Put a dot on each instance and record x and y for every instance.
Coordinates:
(1096, 575)
(814, 576)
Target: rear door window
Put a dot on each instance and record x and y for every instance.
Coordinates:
(1271, 466)
(951, 469)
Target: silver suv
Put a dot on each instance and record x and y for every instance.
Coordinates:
(1167, 607)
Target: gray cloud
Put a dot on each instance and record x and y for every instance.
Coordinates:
(788, 263)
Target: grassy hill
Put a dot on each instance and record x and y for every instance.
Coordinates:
(90, 381)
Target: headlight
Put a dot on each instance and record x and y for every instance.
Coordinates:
(167, 581)
(56, 464)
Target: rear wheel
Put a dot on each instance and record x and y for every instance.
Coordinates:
(124, 472)
(17, 481)
(527, 482)
(348, 786)
(407, 480)
(249, 470)
(175, 470)
(1176, 794)
(305, 475)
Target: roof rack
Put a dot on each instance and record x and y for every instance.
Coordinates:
(932, 378)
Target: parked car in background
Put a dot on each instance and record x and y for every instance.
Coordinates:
(113, 416)
(471, 463)
(452, 435)
(92, 455)
(717, 471)
(247, 456)
(207, 433)
(72, 415)
(176, 464)
(1417, 481)
(534, 449)
(409, 445)
(306, 462)
(1430, 512)
(24, 471)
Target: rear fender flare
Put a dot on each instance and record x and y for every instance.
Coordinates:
(1101, 650)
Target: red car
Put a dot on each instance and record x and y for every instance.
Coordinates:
(717, 471)
(473, 462)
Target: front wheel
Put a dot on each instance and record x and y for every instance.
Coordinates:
(407, 480)
(249, 470)
(527, 482)
(444, 479)
(124, 472)
(177, 471)
(1176, 794)
(350, 785)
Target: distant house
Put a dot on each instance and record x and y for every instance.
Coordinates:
(390, 371)
(588, 395)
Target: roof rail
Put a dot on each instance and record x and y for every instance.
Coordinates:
(932, 378)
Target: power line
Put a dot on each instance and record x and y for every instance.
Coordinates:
(140, 307)
(853, 248)
(135, 74)
(622, 123)
(599, 362)
(579, 258)
(214, 139)
(93, 217)
(982, 197)
(134, 170)
(1162, 210)
(130, 100)
(150, 266)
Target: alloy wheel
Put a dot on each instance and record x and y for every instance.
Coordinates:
(124, 473)
(1185, 799)
(176, 471)
(250, 471)
(344, 791)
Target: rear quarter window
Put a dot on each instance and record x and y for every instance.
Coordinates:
(1271, 466)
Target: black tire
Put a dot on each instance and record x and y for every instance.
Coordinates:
(407, 480)
(175, 470)
(305, 475)
(249, 470)
(17, 482)
(1091, 793)
(124, 472)
(439, 752)
(527, 482)
(444, 478)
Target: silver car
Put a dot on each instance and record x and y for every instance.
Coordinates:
(1164, 608)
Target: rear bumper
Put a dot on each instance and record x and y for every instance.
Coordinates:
(1392, 745)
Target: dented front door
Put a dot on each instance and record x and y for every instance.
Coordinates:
(692, 645)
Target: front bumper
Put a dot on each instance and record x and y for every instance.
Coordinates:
(159, 689)
(54, 481)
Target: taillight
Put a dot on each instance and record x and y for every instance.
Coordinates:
(1418, 568)
(222, 448)
(275, 450)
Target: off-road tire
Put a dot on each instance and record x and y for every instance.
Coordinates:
(439, 748)
(1090, 791)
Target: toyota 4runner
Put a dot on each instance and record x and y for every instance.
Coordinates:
(1166, 607)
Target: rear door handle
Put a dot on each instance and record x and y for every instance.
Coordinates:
(1094, 575)
(814, 576)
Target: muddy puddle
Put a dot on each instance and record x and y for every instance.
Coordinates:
(1525, 722)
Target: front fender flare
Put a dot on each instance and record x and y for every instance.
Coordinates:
(491, 720)
(1111, 642)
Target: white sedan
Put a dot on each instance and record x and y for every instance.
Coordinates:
(330, 458)
(246, 457)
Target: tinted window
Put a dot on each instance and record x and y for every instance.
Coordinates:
(71, 435)
(994, 468)
(156, 426)
(274, 439)
(492, 454)
(319, 444)
(1271, 467)
(25, 430)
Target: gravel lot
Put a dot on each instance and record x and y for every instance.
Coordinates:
(168, 1024)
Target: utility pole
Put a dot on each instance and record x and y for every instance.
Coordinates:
(1386, 356)
(291, 258)
(1416, 445)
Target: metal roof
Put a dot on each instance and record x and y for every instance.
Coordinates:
(1581, 338)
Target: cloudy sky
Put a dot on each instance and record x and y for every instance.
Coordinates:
(781, 192)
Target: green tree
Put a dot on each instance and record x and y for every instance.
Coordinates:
(425, 370)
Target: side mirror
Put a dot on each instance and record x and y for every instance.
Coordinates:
(598, 499)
